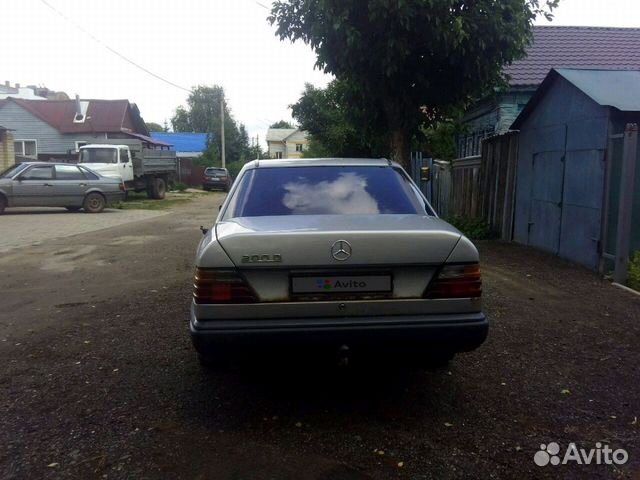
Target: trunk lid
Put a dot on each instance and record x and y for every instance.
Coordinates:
(295, 241)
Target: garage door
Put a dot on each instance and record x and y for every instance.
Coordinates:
(582, 207)
(546, 201)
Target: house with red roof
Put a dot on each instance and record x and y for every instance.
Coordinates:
(551, 47)
(53, 130)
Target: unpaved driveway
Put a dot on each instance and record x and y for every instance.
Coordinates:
(21, 227)
(106, 385)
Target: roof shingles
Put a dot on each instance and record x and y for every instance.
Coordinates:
(111, 116)
(576, 47)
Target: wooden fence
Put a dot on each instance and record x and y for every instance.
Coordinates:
(465, 187)
(498, 180)
(481, 186)
(440, 187)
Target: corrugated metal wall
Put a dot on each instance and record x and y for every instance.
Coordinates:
(560, 176)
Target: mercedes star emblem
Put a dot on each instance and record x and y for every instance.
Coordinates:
(341, 250)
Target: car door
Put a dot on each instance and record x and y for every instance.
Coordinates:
(34, 187)
(69, 186)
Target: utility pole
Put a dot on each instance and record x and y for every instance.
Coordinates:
(257, 147)
(224, 163)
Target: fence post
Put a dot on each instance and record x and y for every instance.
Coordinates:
(625, 210)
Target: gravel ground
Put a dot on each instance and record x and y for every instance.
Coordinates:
(103, 382)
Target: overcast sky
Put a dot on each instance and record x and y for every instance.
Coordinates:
(189, 42)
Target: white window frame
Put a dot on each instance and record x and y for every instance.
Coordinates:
(299, 147)
(23, 140)
(77, 144)
(278, 155)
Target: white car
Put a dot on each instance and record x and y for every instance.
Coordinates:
(334, 253)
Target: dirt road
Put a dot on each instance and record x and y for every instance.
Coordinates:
(98, 378)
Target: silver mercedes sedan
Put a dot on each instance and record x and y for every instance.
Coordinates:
(344, 254)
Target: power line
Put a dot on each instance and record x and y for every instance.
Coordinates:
(112, 50)
(262, 5)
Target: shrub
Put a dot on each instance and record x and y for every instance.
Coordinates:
(473, 228)
(633, 279)
(180, 187)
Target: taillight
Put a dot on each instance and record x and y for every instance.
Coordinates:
(122, 189)
(456, 281)
(221, 286)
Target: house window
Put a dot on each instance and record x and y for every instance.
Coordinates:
(80, 144)
(278, 154)
(26, 148)
(298, 147)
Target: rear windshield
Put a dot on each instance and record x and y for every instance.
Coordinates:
(215, 170)
(328, 190)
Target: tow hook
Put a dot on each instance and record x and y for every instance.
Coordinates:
(343, 356)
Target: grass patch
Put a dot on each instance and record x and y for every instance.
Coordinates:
(633, 279)
(473, 228)
(140, 201)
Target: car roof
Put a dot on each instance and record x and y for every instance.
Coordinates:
(48, 164)
(323, 162)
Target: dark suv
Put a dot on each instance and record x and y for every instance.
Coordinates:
(216, 178)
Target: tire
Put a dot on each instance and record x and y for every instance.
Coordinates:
(72, 209)
(212, 361)
(438, 360)
(94, 203)
(158, 188)
(3, 204)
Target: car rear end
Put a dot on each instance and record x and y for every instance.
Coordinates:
(368, 269)
(216, 179)
(113, 189)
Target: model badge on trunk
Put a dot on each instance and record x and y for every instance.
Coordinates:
(264, 258)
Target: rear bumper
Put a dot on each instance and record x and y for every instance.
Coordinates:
(215, 183)
(443, 332)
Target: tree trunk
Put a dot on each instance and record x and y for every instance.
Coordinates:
(401, 148)
(400, 136)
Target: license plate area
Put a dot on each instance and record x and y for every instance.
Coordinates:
(341, 284)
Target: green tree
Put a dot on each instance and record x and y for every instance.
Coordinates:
(281, 124)
(413, 60)
(339, 122)
(202, 114)
(180, 121)
(154, 127)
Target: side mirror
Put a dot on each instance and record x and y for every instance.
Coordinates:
(425, 174)
(204, 230)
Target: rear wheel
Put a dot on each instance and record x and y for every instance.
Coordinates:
(212, 361)
(93, 203)
(158, 188)
(3, 204)
(439, 360)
